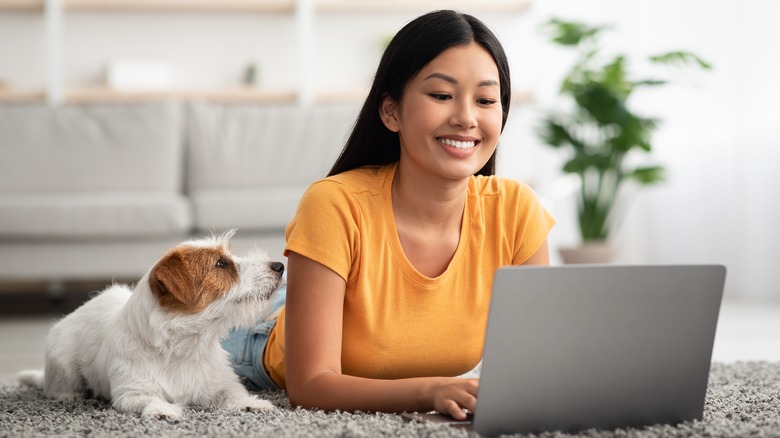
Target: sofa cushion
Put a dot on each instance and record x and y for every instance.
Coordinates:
(93, 215)
(256, 161)
(90, 148)
(264, 209)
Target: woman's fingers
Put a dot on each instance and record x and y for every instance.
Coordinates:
(457, 396)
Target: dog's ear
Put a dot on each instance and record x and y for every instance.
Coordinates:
(171, 282)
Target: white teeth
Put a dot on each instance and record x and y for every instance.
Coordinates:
(458, 144)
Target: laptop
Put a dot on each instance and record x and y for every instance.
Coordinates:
(595, 346)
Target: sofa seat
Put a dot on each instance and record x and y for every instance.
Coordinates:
(93, 215)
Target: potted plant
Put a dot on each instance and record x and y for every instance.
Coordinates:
(600, 131)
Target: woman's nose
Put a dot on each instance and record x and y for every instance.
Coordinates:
(464, 116)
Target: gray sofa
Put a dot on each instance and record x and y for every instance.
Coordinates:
(94, 192)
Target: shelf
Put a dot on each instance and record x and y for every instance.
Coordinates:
(22, 96)
(273, 6)
(21, 5)
(373, 6)
(228, 95)
(344, 95)
(266, 6)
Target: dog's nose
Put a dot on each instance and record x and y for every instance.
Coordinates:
(278, 267)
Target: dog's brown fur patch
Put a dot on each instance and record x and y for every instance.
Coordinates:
(187, 279)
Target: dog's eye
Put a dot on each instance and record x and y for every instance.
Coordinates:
(222, 263)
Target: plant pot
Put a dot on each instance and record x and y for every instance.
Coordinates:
(589, 252)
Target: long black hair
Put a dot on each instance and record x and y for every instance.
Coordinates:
(413, 47)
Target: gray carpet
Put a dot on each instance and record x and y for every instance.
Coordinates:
(743, 399)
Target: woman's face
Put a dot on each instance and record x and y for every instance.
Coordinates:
(449, 116)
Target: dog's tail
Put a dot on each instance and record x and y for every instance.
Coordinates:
(31, 378)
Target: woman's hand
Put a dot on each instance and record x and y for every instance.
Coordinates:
(452, 395)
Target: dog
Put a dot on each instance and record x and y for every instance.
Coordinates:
(155, 349)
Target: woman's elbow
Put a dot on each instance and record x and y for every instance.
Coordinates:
(307, 394)
(299, 398)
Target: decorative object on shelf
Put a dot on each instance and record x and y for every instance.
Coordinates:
(129, 75)
(601, 130)
(251, 75)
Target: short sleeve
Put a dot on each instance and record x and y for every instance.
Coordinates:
(326, 227)
(533, 223)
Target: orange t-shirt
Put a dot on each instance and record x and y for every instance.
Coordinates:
(397, 322)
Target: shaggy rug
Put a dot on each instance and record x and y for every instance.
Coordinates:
(743, 399)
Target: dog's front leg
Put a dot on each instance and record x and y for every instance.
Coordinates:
(236, 398)
(146, 403)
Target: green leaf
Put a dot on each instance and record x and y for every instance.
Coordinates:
(553, 134)
(648, 175)
(603, 104)
(680, 58)
(570, 33)
(584, 161)
(650, 82)
(556, 135)
(614, 77)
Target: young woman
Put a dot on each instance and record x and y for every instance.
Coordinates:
(391, 258)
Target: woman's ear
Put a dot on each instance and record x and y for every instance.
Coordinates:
(388, 111)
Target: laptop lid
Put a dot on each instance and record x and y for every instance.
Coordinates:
(603, 346)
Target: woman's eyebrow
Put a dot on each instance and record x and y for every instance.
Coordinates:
(450, 79)
(488, 83)
(442, 76)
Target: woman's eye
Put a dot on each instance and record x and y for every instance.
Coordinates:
(221, 263)
(486, 101)
(440, 96)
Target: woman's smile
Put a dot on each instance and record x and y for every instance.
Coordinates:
(459, 144)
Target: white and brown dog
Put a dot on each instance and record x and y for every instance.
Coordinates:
(155, 349)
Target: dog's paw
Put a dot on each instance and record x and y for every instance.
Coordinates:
(31, 378)
(255, 404)
(68, 396)
(162, 411)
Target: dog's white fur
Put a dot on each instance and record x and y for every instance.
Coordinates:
(155, 349)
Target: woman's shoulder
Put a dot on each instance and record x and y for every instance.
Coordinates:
(498, 186)
(363, 179)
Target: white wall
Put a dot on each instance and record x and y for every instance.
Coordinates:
(720, 138)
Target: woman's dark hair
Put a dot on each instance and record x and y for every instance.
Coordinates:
(413, 47)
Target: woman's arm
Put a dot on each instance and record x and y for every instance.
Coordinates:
(313, 330)
(540, 257)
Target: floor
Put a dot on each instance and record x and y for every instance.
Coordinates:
(746, 332)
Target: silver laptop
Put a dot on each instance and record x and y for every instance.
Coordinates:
(601, 346)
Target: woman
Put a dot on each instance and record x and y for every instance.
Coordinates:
(391, 258)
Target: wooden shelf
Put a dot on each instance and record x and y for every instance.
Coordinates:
(265, 6)
(228, 95)
(21, 96)
(374, 6)
(342, 95)
(21, 5)
(273, 6)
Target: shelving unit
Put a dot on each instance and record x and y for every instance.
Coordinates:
(303, 12)
(21, 96)
(226, 95)
(257, 6)
(21, 5)
(378, 6)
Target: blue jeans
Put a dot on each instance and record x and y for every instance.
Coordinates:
(246, 347)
